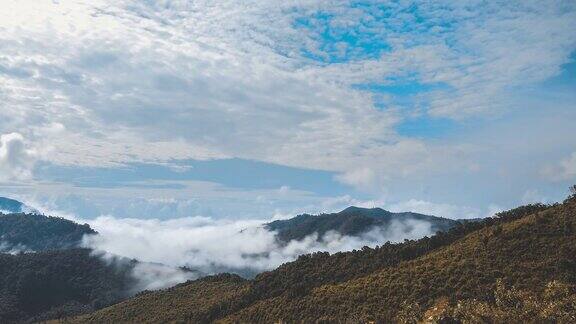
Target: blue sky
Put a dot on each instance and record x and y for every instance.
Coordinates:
(170, 109)
(233, 173)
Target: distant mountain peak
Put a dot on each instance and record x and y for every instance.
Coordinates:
(35, 232)
(374, 211)
(356, 209)
(351, 221)
(23, 228)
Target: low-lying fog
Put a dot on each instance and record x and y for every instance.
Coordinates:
(210, 246)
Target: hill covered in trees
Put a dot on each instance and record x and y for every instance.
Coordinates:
(517, 266)
(352, 221)
(193, 302)
(53, 284)
(34, 232)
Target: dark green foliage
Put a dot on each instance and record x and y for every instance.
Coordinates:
(54, 284)
(351, 221)
(40, 233)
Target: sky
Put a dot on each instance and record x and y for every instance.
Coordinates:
(265, 109)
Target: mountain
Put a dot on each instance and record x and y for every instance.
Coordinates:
(351, 221)
(8, 205)
(519, 266)
(53, 284)
(59, 279)
(35, 232)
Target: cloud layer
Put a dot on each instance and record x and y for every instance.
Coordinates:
(130, 80)
(563, 170)
(212, 246)
(16, 159)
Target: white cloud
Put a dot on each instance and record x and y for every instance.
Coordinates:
(533, 196)
(155, 81)
(147, 275)
(360, 178)
(176, 93)
(164, 200)
(284, 190)
(436, 209)
(563, 170)
(153, 276)
(210, 246)
(6, 247)
(102, 83)
(16, 159)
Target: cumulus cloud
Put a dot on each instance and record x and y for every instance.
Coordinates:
(16, 159)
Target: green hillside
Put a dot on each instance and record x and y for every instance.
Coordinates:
(36, 232)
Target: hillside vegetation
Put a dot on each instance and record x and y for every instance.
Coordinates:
(44, 285)
(33, 232)
(518, 265)
(194, 303)
(352, 221)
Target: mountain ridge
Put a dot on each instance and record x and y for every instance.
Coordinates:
(352, 221)
(36, 232)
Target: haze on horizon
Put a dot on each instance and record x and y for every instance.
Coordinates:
(264, 109)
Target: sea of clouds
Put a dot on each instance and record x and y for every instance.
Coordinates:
(171, 251)
(210, 246)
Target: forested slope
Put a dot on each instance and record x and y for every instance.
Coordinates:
(526, 253)
(352, 221)
(194, 302)
(36, 232)
(44, 285)
(526, 250)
